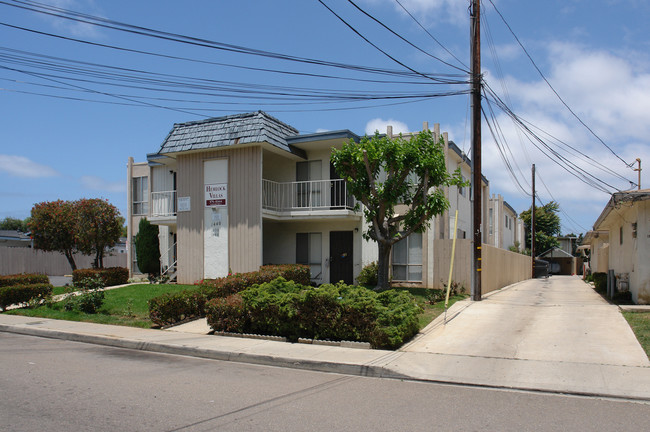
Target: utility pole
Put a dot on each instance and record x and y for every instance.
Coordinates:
(638, 160)
(475, 37)
(532, 227)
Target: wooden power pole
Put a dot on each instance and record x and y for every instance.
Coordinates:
(532, 226)
(475, 37)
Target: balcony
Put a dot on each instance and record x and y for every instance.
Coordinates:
(318, 198)
(163, 208)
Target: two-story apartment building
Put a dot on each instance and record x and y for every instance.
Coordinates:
(233, 193)
(504, 228)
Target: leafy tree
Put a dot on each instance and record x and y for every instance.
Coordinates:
(13, 224)
(147, 248)
(99, 226)
(547, 226)
(383, 173)
(54, 225)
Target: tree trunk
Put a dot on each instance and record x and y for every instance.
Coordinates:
(70, 258)
(383, 262)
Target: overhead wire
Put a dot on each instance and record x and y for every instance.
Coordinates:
(629, 165)
(206, 43)
(431, 36)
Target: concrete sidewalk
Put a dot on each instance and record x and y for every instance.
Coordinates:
(541, 335)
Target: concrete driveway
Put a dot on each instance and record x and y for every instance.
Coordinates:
(559, 319)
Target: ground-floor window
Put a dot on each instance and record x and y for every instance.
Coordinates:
(407, 259)
(309, 251)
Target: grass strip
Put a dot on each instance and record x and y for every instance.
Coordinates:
(640, 323)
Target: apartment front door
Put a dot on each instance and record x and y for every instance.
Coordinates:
(341, 257)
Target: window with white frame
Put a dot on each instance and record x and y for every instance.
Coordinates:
(407, 259)
(309, 251)
(140, 195)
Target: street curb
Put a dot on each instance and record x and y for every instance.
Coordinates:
(374, 371)
(380, 369)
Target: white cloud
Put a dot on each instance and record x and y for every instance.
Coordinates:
(380, 125)
(320, 130)
(75, 28)
(610, 93)
(20, 166)
(450, 11)
(99, 184)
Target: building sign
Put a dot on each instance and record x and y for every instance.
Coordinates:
(216, 195)
(184, 204)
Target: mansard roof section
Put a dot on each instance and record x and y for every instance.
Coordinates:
(323, 136)
(257, 127)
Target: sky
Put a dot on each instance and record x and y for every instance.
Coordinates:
(78, 99)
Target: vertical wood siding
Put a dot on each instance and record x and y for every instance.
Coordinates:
(244, 211)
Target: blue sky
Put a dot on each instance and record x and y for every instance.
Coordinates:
(68, 136)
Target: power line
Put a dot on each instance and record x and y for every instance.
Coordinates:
(553, 89)
(431, 36)
(371, 43)
(404, 39)
(206, 43)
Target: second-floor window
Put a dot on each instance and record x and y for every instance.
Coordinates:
(140, 195)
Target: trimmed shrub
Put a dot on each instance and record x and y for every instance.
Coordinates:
(600, 282)
(237, 282)
(329, 312)
(23, 279)
(23, 293)
(227, 314)
(110, 276)
(147, 248)
(368, 275)
(172, 308)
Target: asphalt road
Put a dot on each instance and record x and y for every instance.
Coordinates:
(57, 385)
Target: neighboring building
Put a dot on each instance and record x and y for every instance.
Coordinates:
(503, 227)
(12, 238)
(620, 242)
(568, 243)
(232, 193)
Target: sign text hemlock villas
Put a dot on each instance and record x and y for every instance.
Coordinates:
(216, 195)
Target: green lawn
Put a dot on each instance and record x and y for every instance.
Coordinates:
(122, 306)
(431, 311)
(128, 306)
(640, 323)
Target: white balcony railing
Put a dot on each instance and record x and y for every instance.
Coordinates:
(306, 195)
(163, 204)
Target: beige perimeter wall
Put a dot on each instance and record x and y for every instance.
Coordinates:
(27, 260)
(500, 267)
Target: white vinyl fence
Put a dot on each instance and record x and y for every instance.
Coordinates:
(16, 260)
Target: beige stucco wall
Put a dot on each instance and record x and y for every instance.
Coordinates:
(629, 255)
(500, 267)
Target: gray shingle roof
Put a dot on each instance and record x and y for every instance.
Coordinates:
(226, 131)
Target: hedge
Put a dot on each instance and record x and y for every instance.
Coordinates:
(15, 294)
(169, 309)
(600, 282)
(23, 279)
(232, 284)
(111, 276)
(329, 312)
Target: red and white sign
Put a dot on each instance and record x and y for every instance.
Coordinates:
(216, 195)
